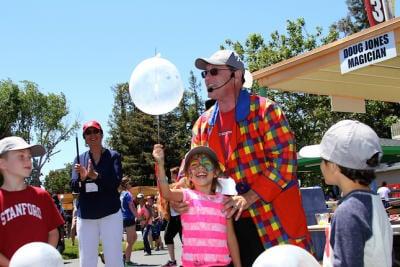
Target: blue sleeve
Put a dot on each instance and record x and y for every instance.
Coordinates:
(351, 228)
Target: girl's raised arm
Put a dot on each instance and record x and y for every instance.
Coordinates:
(162, 179)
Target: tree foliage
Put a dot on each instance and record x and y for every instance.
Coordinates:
(36, 117)
(57, 181)
(356, 19)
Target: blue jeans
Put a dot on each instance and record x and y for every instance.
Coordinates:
(145, 234)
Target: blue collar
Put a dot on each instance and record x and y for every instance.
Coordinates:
(242, 108)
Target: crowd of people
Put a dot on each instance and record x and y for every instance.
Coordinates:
(242, 136)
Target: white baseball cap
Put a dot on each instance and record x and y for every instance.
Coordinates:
(348, 143)
(12, 143)
(221, 57)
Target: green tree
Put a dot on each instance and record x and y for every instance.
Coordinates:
(10, 103)
(36, 117)
(132, 134)
(355, 20)
(57, 181)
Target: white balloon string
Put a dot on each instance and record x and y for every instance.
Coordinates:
(158, 129)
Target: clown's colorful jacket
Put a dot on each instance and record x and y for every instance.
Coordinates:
(263, 159)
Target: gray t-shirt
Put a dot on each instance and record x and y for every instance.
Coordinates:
(360, 233)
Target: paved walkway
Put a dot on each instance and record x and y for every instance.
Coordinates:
(157, 258)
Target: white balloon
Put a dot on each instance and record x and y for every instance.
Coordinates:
(36, 254)
(155, 86)
(248, 79)
(286, 256)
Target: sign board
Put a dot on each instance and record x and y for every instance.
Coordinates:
(375, 49)
(379, 11)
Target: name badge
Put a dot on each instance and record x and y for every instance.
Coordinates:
(91, 187)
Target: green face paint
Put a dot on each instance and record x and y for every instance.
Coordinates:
(201, 160)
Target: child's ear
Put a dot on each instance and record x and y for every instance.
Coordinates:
(334, 167)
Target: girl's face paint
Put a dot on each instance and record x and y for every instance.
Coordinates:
(201, 160)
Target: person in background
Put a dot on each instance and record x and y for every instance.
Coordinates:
(156, 228)
(360, 233)
(61, 233)
(149, 206)
(74, 218)
(384, 193)
(129, 213)
(174, 225)
(96, 177)
(256, 147)
(144, 217)
(27, 214)
(209, 238)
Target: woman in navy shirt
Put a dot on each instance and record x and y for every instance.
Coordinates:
(96, 178)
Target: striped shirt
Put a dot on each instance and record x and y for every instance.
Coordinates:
(204, 230)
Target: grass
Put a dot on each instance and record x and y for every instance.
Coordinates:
(72, 251)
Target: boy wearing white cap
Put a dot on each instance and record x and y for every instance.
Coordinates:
(27, 214)
(360, 233)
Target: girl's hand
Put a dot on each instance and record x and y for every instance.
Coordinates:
(158, 153)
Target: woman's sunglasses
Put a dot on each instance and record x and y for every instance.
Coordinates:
(212, 72)
(93, 131)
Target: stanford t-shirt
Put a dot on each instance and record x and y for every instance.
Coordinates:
(26, 216)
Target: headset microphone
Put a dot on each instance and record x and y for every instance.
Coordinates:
(211, 89)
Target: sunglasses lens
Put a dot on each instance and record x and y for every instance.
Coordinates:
(94, 131)
(213, 71)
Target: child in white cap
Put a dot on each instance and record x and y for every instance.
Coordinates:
(27, 213)
(360, 232)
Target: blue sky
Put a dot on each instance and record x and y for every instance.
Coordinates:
(83, 48)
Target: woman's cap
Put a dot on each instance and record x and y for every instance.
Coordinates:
(200, 150)
(140, 195)
(348, 143)
(221, 57)
(93, 124)
(13, 143)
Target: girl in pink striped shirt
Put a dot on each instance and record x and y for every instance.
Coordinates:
(208, 236)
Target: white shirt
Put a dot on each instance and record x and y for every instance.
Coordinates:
(383, 192)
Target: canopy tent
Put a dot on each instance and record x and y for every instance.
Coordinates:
(145, 190)
(391, 154)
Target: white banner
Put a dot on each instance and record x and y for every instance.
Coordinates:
(367, 52)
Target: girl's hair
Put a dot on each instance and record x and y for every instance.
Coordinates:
(363, 177)
(215, 179)
(124, 182)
